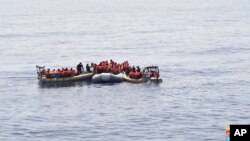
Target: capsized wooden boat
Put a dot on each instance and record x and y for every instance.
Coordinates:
(80, 77)
(107, 78)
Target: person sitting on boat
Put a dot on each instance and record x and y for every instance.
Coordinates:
(111, 61)
(79, 68)
(137, 75)
(61, 73)
(72, 72)
(53, 73)
(105, 68)
(57, 75)
(128, 70)
(116, 70)
(66, 72)
(133, 68)
(47, 73)
(131, 74)
(88, 68)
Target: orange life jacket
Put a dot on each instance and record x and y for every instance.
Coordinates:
(73, 73)
(137, 74)
(132, 74)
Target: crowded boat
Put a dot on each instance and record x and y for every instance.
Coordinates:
(104, 71)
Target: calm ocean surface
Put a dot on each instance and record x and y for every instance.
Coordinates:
(201, 46)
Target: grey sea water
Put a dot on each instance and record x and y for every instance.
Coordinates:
(201, 46)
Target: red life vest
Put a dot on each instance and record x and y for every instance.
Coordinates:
(132, 74)
(137, 74)
(73, 73)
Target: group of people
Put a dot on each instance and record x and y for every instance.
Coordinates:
(110, 67)
(135, 72)
(59, 73)
(116, 68)
(103, 67)
(80, 68)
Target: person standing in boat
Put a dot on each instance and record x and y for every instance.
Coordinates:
(79, 68)
(133, 68)
(88, 68)
(138, 69)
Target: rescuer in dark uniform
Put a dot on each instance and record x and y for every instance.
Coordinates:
(79, 68)
(88, 68)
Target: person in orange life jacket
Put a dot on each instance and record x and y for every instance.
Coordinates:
(128, 70)
(72, 72)
(99, 69)
(79, 68)
(65, 71)
(61, 72)
(136, 74)
(52, 73)
(48, 73)
(56, 74)
(119, 68)
(111, 70)
(111, 61)
(116, 69)
(132, 74)
(104, 68)
(68, 73)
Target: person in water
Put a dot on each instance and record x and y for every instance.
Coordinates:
(88, 68)
(79, 68)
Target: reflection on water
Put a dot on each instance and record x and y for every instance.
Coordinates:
(74, 84)
(63, 84)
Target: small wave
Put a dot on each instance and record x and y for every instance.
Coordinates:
(47, 34)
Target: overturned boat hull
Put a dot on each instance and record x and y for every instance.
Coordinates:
(107, 78)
